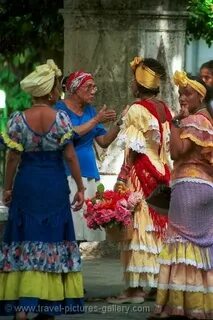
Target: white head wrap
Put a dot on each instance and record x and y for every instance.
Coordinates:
(40, 82)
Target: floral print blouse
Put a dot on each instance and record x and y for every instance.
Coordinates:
(20, 136)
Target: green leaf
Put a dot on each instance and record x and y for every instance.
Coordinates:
(100, 188)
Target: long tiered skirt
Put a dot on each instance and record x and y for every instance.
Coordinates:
(185, 285)
(139, 255)
(40, 266)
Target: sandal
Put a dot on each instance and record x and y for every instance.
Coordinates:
(125, 299)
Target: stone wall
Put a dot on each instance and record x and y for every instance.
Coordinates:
(103, 36)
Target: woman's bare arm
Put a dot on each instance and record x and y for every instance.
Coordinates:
(72, 161)
(12, 162)
(178, 146)
(105, 140)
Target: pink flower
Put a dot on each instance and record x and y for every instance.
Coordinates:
(111, 209)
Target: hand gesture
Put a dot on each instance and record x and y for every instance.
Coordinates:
(78, 201)
(184, 113)
(106, 115)
(7, 197)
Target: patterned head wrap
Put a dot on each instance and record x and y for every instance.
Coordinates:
(144, 75)
(40, 82)
(76, 80)
(180, 79)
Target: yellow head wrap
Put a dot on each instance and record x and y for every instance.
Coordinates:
(180, 79)
(144, 75)
(40, 82)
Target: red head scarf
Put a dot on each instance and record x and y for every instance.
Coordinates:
(76, 80)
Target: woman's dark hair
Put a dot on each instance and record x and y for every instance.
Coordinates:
(158, 68)
(208, 65)
(63, 83)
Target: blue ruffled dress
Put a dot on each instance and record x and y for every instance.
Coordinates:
(40, 266)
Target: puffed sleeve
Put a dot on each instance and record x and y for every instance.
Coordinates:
(136, 124)
(13, 136)
(64, 128)
(199, 129)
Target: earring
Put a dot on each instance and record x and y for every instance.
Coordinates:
(50, 97)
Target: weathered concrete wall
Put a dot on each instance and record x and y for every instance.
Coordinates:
(102, 36)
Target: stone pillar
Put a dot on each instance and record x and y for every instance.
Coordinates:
(103, 36)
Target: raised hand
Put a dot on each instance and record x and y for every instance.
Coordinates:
(106, 115)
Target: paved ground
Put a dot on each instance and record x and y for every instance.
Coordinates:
(103, 278)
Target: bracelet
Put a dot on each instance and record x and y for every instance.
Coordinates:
(176, 122)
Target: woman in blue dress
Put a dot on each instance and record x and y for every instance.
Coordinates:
(80, 92)
(40, 266)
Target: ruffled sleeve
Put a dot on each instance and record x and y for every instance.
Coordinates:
(64, 128)
(198, 129)
(137, 123)
(13, 137)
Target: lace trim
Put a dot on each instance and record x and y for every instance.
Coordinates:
(135, 284)
(186, 288)
(11, 144)
(176, 181)
(141, 247)
(153, 270)
(174, 239)
(198, 127)
(133, 144)
(188, 262)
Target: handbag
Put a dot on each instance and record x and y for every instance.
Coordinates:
(159, 199)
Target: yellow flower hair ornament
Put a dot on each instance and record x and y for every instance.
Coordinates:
(144, 75)
(134, 63)
(180, 79)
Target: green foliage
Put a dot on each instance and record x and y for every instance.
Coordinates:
(31, 31)
(100, 188)
(30, 24)
(200, 20)
(16, 99)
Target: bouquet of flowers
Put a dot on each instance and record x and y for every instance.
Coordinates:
(109, 209)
